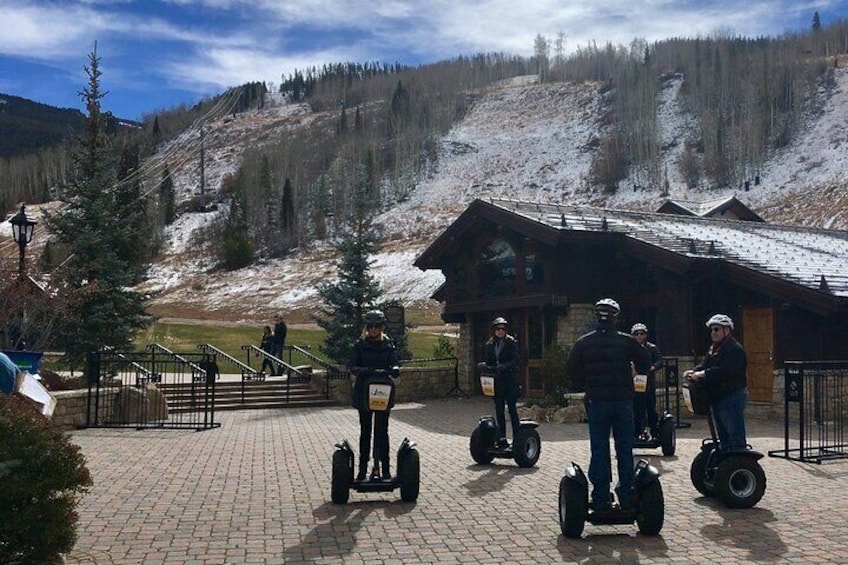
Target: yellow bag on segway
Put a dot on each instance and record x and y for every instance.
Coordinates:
(379, 396)
(487, 383)
(695, 397)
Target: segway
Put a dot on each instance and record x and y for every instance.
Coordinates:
(408, 477)
(734, 475)
(666, 437)
(648, 510)
(525, 448)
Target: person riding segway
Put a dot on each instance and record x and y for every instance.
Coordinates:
(727, 465)
(650, 430)
(374, 365)
(499, 379)
(600, 362)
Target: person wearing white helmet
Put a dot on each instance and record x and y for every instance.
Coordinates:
(501, 354)
(645, 403)
(723, 375)
(600, 365)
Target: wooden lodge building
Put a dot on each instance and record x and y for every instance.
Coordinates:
(543, 266)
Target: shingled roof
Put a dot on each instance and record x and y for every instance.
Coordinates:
(808, 259)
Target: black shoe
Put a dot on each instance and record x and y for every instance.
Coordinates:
(503, 444)
(360, 476)
(375, 474)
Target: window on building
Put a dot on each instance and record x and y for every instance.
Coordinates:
(496, 269)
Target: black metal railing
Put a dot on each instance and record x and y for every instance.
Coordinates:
(247, 372)
(148, 389)
(298, 353)
(815, 403)
(668, 376)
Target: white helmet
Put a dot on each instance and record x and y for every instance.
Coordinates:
(606, 308)
(720, 320)
(638, 328)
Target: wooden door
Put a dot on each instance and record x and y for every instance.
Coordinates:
(758, 330)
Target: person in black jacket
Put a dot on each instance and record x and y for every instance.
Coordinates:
(500, 354)
(374, 357)
(723, 376)
(600, 364)
(279, 339)
(267, 345)
(645, 403)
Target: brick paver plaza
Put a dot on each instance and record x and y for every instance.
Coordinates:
(257, 490)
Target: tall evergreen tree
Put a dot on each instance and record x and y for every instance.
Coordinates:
(287, 209)
(91, 226)
(354, 293)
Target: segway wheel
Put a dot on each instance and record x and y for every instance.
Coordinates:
(342, 475)
(478, 447)
(573, 506)
(740, 482)
(651, 512)
(526, 447)
(409, 474)
(697, 473)
(668, 437)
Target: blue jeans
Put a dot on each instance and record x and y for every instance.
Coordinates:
(729, 414)
(615, 417)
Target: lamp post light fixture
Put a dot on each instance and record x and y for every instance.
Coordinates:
(22, 228)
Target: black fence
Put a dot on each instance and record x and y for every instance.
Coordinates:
(668, 386)
(814, 411)
(152, 389)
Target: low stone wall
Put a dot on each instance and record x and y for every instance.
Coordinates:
(415, 384)
(71, 407)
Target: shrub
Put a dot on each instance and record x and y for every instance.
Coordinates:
(43, 475)
(554, 374)
(445, 347)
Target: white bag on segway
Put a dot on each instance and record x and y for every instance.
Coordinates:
(487, 383)
(378, 397)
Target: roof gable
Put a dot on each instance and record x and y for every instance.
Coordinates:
(727, 208)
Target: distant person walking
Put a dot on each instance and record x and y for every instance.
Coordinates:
(267, 345)
(279, 339)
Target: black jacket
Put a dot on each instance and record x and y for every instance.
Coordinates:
(267, 340)
(280, 330)
(369, 354)
(599, 363)
(655, 358)
(504, 362)
(724, 369)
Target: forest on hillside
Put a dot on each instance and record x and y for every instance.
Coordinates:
(377, 127)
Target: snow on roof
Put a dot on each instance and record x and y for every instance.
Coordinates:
(795, 254)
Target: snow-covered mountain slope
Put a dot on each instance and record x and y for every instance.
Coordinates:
(520, 140)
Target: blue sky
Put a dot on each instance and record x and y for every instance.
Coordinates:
(160, 53)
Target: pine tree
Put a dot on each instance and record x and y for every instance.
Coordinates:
(355, 292)
(287, 209)
(92, 227)
(816, 21)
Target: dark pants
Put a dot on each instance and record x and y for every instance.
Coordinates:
(729, 414)
(277, 351)
(509, 398)
(615, 417)
(645, 403)
(381, 436)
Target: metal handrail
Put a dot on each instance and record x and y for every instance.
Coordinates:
(247, 372)
(264, 354)
(151, 376)
(195, 368)
(333, 372)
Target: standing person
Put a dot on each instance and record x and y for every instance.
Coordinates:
(600, 362)
(8, 374)
(645, 403)
(279, 340)
(372, 353)
(267, 345)
(500, 354)
(723, 374)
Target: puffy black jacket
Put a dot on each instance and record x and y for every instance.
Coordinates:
(599, 364)
(724, 369)
(369, 354)
(504, 362)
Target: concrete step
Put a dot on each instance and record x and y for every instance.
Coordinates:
(272, 393)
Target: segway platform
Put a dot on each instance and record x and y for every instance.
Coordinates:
(648, 509)
(666, 437)
(407, 479)
(525, 448)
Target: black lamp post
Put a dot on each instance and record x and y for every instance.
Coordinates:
(22, 229)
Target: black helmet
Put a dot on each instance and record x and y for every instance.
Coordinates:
(499, 321)
(375, 317)
(607, 308)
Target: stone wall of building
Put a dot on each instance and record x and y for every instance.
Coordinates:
(415, 384)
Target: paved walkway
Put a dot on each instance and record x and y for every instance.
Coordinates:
(257, 490)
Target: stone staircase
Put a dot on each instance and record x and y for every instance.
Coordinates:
(258, 394)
